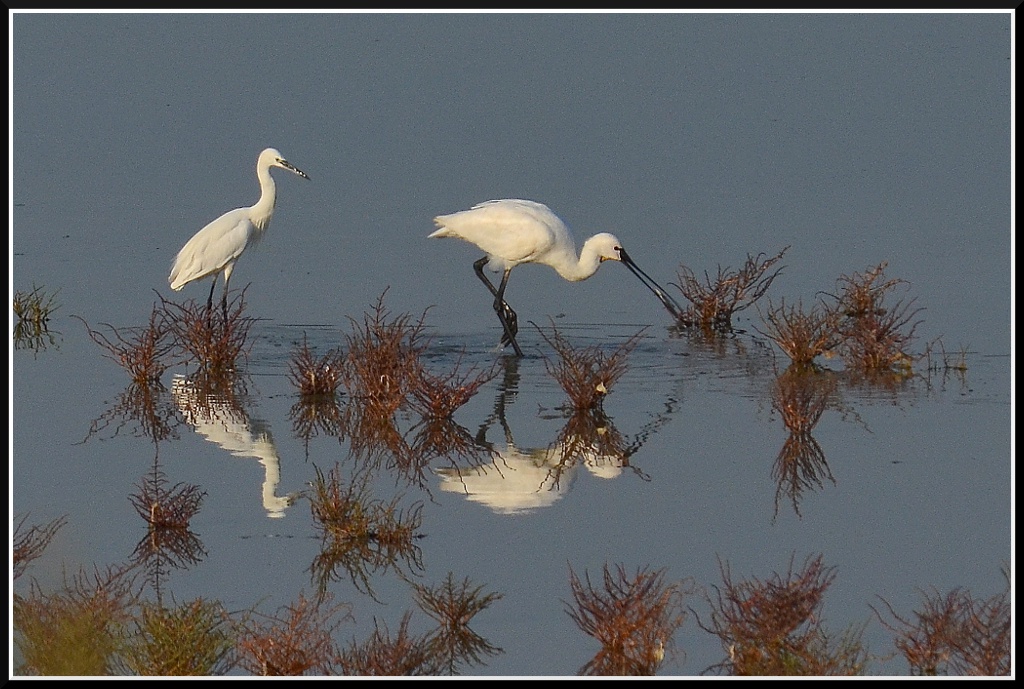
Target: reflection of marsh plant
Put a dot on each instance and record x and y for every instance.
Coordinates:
(438, 396)
(35, 306)
(360, 534)
(453, 606)
(148, 406)
(633, 618)
(589, 437)
(163, 506)
(312, 415)
(29, 544)
(161, 549)
(313, 376)
(801, 397)
(214, 340)
(434, 438)
(802, 335)
(167, 511)
(714, 302)
(954, 634)
(191, 639)
(442, 651)
(33, 310)
(587, 374)
(875, 334)
(34, 336)
(373, 436)
(297, 641)
(143, 352)
(78, 630)
(938, 360)
(775, 627)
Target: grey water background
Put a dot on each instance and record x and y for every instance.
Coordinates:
(697, 138)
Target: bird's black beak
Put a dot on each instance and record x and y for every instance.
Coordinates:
(289, 166)
(661, 294)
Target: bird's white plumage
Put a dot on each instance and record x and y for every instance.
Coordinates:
(516, 231)
(213, 250)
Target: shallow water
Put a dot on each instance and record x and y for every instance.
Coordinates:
(917, 496)
(697, 138)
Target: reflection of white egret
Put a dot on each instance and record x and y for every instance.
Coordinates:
(227, 425)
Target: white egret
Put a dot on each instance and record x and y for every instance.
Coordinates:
(515, 231)
(213, 250)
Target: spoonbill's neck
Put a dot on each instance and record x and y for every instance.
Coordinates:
(575, 268)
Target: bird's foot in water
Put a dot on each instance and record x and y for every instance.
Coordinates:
(511, 321)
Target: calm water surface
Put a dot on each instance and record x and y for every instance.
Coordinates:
(698, 139)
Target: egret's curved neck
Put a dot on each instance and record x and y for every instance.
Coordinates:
(264, 208)
(575, 269)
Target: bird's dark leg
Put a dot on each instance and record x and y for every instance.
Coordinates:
(209, 304)
(209, 300)
(224, 302)
(509, 319)
(510, 315)
(507, 316)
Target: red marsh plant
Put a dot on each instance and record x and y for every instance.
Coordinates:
(439, 395)
(215, 340)
(27, 544)
(775, 627)
(360, 534)
(956, 634)
(315, 376)
(191, 639)
(168, 511)
(80, 629)
(633, 617)
(714, 301)
(298, 640)
(145, 353)
(802, 335)
(587, 374)
(875, 331)
(163, 506)
(405, 655)
(383, 359)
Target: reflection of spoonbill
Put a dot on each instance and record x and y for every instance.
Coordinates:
(514, 231)
(522, 480)
(517, 481)
(214, 249)
(227, 425)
